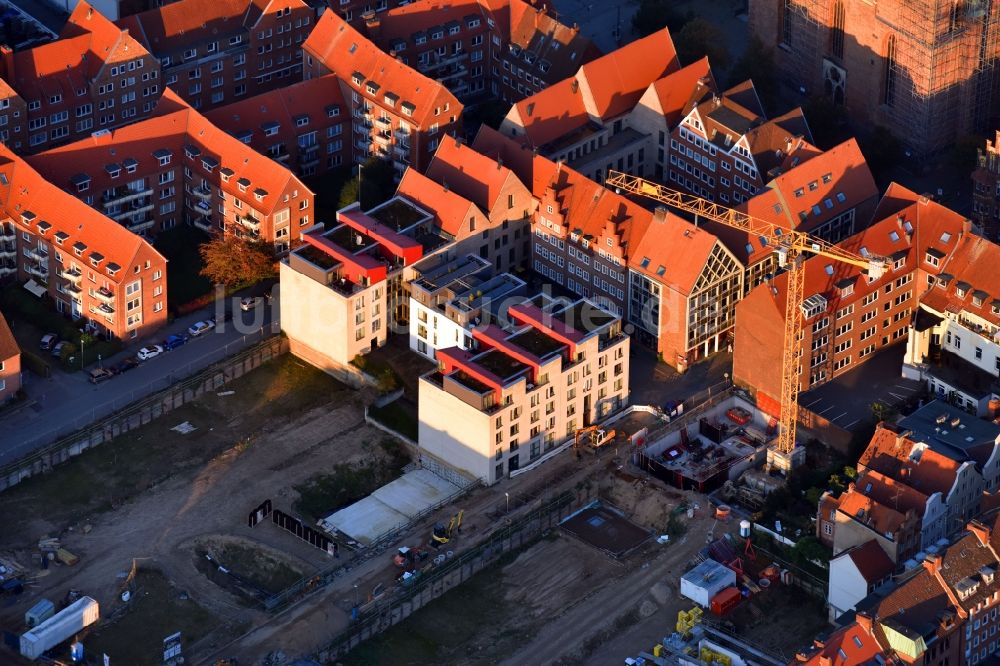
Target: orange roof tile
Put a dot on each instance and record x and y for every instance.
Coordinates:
(174, 26)
(8, 345)
(973, 265)
(26, 190)
(857, 645)
(468, 173)
(891, 492)
(917, 604)
(876, 516)
(673, 252)
(535, 30)
(344, 51)
(311, 98)
(618, 79)
(450, 209)
(173, 125)
(553, 112)
(676, 90)
(68, 64)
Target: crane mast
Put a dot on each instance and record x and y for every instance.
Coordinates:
(791, 246)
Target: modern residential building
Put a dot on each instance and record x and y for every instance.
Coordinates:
(856, 573)
(216, 51)
(345, 289)
(176, 167)
(397, 113)
(585, 119)
(95, 270)
(846, 316)
(954, 343)
(481, 50)
(986, 189)
(10, 363)
(925, 69)
(302, 126)
(521, 393)
(450, 298)
(95, 76)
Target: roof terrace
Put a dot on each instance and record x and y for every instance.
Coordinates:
(317, 257)
(585, 316)
(536, 342)
(398, 214)
(350, 239)
(500, 364)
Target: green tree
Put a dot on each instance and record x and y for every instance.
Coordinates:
(699, 38)
(809, 548)
(232, 260)
(378, 184)
(654, 15)
(757, 64)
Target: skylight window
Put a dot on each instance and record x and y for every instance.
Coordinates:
(945, 237)
(894, 236)
(829, 269)
(841, 197)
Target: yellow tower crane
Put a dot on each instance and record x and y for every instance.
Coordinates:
(791, 246)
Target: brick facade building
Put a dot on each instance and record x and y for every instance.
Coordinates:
(925, 69)
(215, 51)
(986, 189)
(95, 76)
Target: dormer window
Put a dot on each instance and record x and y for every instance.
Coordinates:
(243, 184)
(934, 256)
(371, 88)
(358, 78)
(962, 288)
(301, 121)
(271, 128)
(162, 156)
(978, 297)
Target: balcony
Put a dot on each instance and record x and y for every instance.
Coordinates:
(383, 138)
(8, 250)
(137, 207)
(71, 275)
(124, 194)
(37, 271)
(202, 207)
(70, 288)
(105, 295)
(384, 122)
(202, 192)
(7, 232)
(401, 149)
(103, 309)
(309, 157)
(250, 223)
(362, 146)
(41, 256)
(204, 223)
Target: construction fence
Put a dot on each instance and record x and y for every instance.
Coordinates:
(401, 601)
(142, 411)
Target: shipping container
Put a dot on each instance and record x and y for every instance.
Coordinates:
(706, 580)
(726, 601)
(64, 624)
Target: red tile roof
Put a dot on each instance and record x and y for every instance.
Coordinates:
(603, 88)
(973, 265)
(87, 42)
(918, 604)
(450, 209)
(8, 345)
(673, 252)
(676, 91)
(873, 563)
(891, 492)
(177, 25)
(344, 51)
(874, 515)
(26, 190)
(311, 98)
(468, 173)
(846, 640)
(173, 126)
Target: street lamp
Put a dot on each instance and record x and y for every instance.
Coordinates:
(507, 495)
(355, 595)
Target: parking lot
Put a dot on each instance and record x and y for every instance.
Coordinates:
(848, 400)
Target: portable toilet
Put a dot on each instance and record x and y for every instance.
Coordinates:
(39, 613)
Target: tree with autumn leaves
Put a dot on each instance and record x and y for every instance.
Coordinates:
(232, 260)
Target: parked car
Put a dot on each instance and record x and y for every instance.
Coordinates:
(98, 375)
(49, 341)
(57, 350)
(149, 352)
(126, 364)
(248, 303)
(200, 327)
(174, 341)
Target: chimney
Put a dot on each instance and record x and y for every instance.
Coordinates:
(7, 56)
(981, 531)
(864, 622)
(933, 563)
(660, 214)
(825, 660)
(499, 163)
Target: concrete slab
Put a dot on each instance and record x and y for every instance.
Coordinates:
(389, 507)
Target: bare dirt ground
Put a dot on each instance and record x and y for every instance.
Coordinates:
(267, 445)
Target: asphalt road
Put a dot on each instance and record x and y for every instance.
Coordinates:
(67, 402)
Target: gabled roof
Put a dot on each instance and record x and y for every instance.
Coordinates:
(68, 64)
(857, 645)
(533, 29)
(676, 91)
(346, 53)
(964, 560)
(449, 209)
(468, 173)
(891, 492)
(312, 98)
(673, 252)
(877, 517)
(915, 607)
(617, 80)
(174, 26)
(870, 560)
(173, 126)
(772, 140)
(973, 262)
(23, 190)
(8, 345)
(600, 90)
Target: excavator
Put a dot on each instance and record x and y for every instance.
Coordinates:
(441, 534)
(599, 438)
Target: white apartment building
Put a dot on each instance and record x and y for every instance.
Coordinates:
(520, 393)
